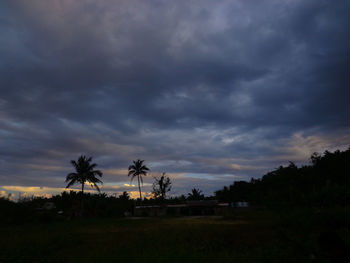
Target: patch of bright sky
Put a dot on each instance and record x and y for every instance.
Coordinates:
(124, 183)
(169, 162)
(120, 184)
(200, 176)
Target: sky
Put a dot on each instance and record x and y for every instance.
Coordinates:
(209, 92)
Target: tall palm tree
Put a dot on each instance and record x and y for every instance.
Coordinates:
(137, 169)
(85, 173)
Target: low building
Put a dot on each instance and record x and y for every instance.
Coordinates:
(190, 208)
(150, 210)
(241, 204)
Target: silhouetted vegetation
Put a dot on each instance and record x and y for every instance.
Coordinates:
(195, 194)
(161, 186)
(138, 169)
(85, 173)
(325, 182)
(95, 205)
(65, 206)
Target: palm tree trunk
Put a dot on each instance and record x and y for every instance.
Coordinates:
(138, 177)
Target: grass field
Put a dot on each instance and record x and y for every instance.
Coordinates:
(245, 236)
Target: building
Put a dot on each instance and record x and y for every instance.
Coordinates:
(190, 208)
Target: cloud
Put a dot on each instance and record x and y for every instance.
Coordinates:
(211, 88)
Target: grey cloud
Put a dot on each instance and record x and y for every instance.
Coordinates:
(212, 84)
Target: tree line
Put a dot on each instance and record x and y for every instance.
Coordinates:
(324, 181)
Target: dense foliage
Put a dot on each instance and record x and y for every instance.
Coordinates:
(66, 206)
(326, 181)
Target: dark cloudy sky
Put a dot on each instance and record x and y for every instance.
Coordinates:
(207, 91)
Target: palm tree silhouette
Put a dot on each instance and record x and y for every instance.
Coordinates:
(138, 169)
(85, 173)
(195, 194)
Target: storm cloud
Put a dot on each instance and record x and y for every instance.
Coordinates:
(209, 92)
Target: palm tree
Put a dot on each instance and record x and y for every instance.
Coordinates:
(195, 194)
(138, 169)
(85, 173)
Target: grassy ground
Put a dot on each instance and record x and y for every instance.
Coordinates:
(245, 236)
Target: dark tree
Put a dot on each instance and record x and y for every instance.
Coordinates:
(324, 182)
(195, 194)
(161, 186)
(138, 169)
(85, 173)
(124, 196)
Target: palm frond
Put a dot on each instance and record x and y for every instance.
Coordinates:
(71, 183)
(132, 177)
(97, 172)
(71, 176)
(95, 180)
(96, 186)
(92, 166)
(144, 167)
(75, 164)
(131, 172)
